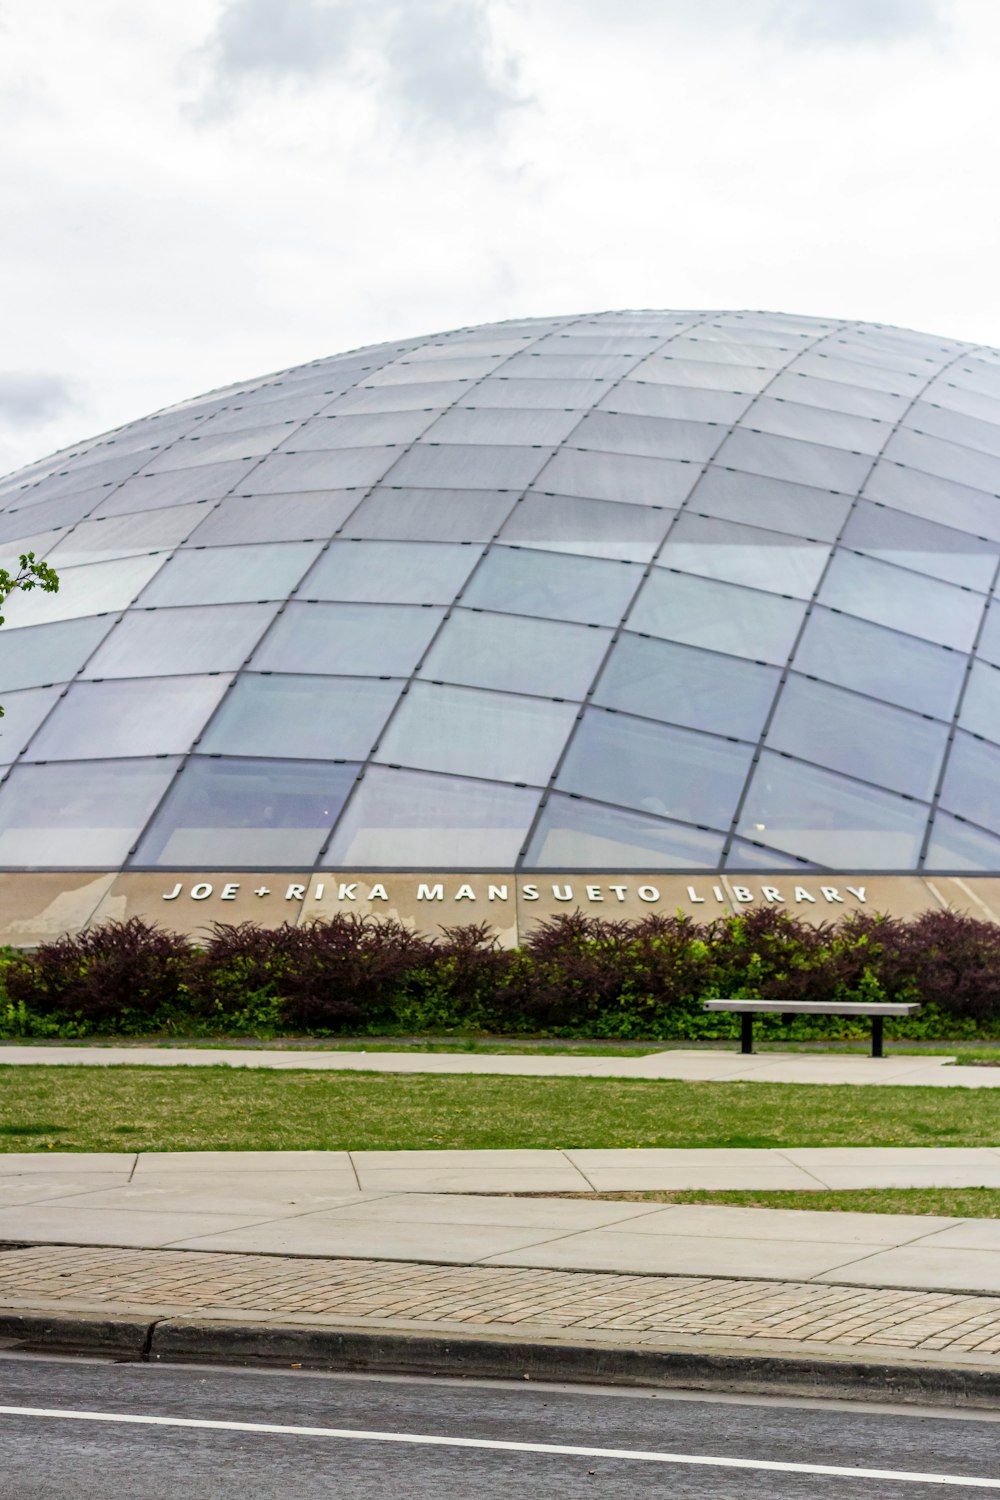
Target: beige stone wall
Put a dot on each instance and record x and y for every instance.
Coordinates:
(35, 906)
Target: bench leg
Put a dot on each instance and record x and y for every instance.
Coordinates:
(877, 1048)
(746, 1032)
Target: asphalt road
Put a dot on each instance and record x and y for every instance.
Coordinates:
(370, 1438)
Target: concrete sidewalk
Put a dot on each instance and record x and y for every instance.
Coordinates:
(453, 1207)
(935, 1071)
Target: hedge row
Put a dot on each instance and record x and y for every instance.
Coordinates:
(574, 976)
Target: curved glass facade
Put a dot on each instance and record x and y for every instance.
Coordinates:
(666, 591)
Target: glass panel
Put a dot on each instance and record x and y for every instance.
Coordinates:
(531, 366)
(852, 372)
(413, 370)
(980, 712)
(48, 653)
(431, 515)
(971, 781)
(721, 694)
(405, 820)
(213, 447)
(589, 528)
(22, 714)
(813, 424)
(472, 733)
(126, 536)
(956, 845)
(655, 437)
(671, 773)
(362, 640)
(339, 469)
(228, 813)
(971, 432)
(948, 460)
(835, 396)
(902, 600)
(936, 499)
(465, 424)
(882, 663)
(275, 518)
(305, 717)
(391, 572)
(84, 814)
(721, 348)
(745, 855)
(520, 582)
(572, 834)
(162, 642)
(858, 736)
(693, 405)
(365, 430)
(668, 370)
(231, 575)
(819, 816)
(561, 395)
(134, 716)
(516, 655)
(156, 491)
(802, 463)
(88, 590)
(718, 616)
(425, 396)
(614, 476)
(892, 536)
(455, 466)
(771, 503)
(743, 554)
(31, 519)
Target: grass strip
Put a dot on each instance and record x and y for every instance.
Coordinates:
(123, 1108)
(949, 1203)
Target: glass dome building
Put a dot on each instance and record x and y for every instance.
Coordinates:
(639, 591)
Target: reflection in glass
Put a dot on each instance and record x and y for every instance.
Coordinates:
(573, 834)
(470, 733)
(305, 717)
(410, 820)
(232, 813)
(655, 768)
(823, 817)
(78, 814)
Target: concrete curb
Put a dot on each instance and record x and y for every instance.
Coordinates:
(384, 1351)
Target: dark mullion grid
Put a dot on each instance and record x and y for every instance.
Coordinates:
(412, 678)
(643, 574)
(812, 602)
(682, 509)
(953, 729)
(363, 494)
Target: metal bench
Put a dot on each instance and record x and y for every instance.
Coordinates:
(747, 1009)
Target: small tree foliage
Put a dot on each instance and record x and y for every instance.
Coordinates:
(31, 574)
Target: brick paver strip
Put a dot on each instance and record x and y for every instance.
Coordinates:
(53, 1277)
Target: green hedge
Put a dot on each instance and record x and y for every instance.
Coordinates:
(575, 976)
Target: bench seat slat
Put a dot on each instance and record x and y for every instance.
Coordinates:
(811, 1008)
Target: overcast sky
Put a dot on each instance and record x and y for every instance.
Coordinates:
(196, 192)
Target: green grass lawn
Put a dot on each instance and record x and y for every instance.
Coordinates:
(208, 1108)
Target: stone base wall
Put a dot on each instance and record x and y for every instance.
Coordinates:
(38, 905)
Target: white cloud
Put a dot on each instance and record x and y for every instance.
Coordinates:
(29, 399)
(433, 61)
(374, 174)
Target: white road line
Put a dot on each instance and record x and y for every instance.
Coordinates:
(641, 1455)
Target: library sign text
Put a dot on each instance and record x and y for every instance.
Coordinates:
(578, 892)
